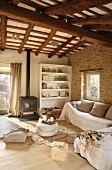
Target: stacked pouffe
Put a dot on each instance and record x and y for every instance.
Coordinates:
(44, 129)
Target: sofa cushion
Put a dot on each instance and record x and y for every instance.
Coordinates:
(99, 109)
(109, 114)
(85, 106)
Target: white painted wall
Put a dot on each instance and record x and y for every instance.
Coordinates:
(12, 56)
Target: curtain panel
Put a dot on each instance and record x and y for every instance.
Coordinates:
(15, 88)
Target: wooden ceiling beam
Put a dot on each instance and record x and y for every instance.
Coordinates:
(49, 38)
(74, 47)
(40, 19)
(61, 46)
(74, 6)
(106, 19)
(30, 28)
(101, 27)
(3, 31)
(15, 2)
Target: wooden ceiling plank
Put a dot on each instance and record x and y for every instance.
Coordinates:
(44, 3)
(52, 33)
(83, 14)
(3, 31)
(92, 12)
(61, 46)
(16, 28)
(31, 3)
(30, 28)
(105, 9)
(52, 23)
(70, 6)
(11, 32)
(40, 32)
(74, 47)
(15, 20)
(106, 19)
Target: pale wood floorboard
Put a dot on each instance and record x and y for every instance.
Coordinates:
(37, 157)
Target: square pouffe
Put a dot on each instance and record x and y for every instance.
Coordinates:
(44, 129)
(59, 152)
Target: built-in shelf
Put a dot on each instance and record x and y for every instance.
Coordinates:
(54, 87)
(46, 81)
(58, 97)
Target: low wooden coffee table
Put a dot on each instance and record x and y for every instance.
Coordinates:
(44, 129)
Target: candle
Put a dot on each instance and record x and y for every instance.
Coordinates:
(51, 119)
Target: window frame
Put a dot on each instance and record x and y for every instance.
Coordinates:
(87, 86)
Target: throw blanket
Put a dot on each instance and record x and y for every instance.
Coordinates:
(83, 120)
(96, 147)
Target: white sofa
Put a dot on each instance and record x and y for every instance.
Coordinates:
(83, 120)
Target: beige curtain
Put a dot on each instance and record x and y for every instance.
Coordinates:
(15, 88)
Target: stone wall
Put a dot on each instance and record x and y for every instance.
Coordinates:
(93, 57)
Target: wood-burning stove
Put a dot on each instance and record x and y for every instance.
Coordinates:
(28, 103)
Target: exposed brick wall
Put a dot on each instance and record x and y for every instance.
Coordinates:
(90, 58)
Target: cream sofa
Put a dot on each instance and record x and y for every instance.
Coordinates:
(89, 119)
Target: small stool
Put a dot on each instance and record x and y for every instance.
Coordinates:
(44, 129)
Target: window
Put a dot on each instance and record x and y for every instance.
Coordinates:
(4, 88)
(93, 86)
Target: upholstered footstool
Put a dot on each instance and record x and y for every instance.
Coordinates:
(44, 129)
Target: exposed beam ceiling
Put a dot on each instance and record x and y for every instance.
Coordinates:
(74, 6)
(24, 25)
(52, 23)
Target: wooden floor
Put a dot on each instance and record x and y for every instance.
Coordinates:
(37, 157)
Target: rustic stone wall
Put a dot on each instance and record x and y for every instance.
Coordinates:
(90, 58)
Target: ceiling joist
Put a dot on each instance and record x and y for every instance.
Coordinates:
(15, 2)
(30, 28)
(101, 27)
(61, 46)
(74, 47)
(52, 33)
(40, 19)
(3, 31)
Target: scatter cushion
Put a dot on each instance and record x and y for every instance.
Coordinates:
(74, 104)
(109, 113)
(85, 106)
(16, 136)
(99, 109)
